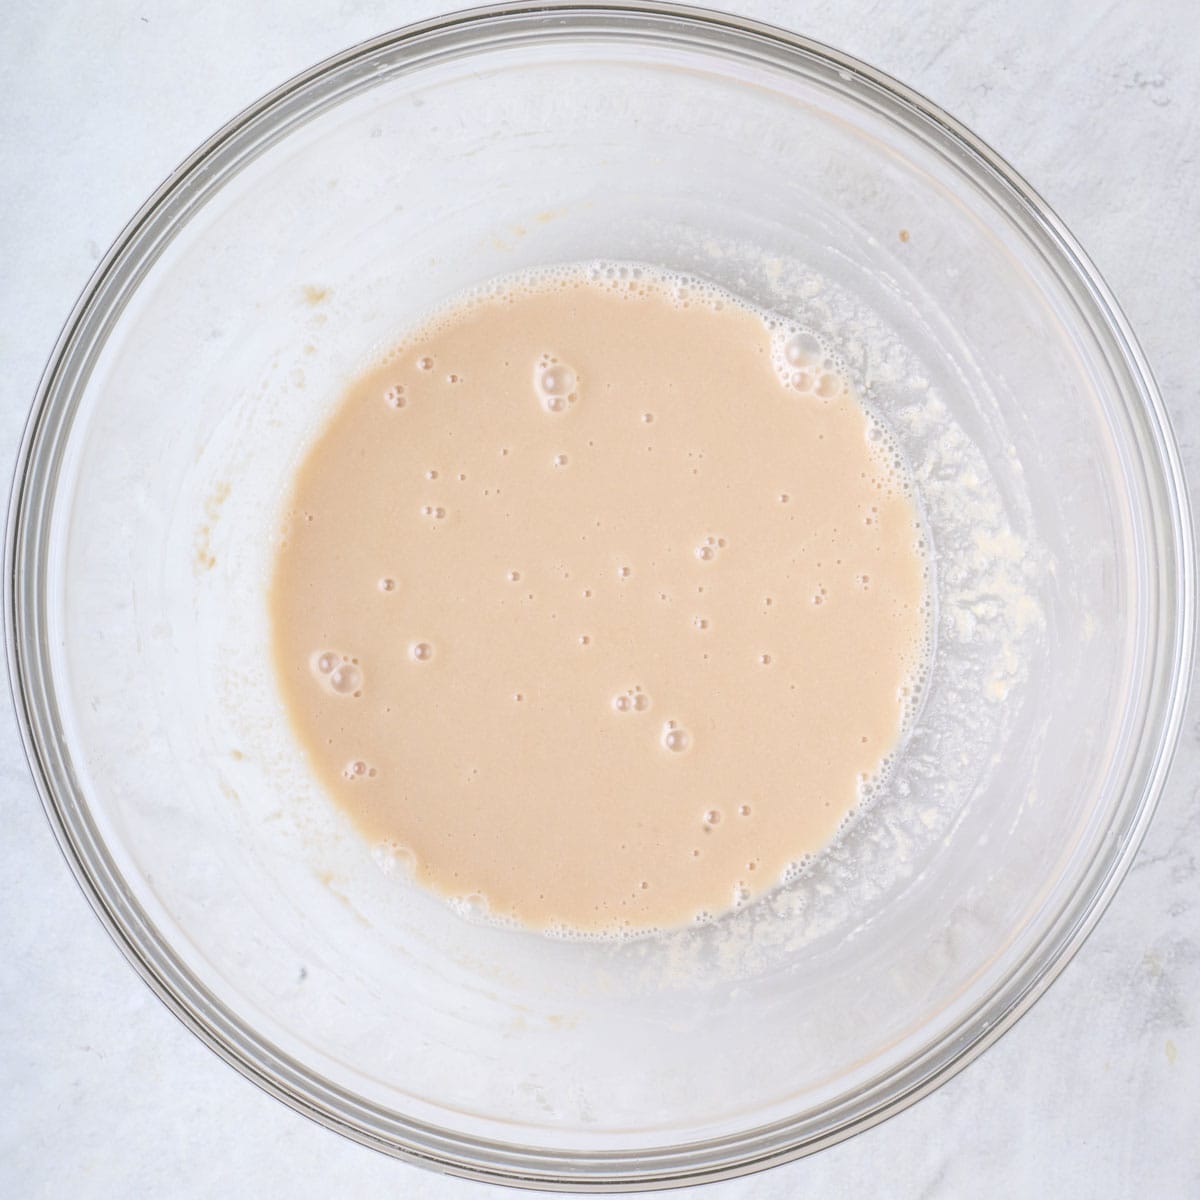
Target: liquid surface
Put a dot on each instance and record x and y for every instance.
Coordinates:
(598, 604)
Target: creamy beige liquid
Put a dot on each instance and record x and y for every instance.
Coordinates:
(599, 601)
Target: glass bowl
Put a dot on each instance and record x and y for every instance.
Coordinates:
(203, 355)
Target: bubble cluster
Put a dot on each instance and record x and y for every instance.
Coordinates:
(473, 906)
(555, 384)
(708, 549)
(796, 869)
(911, 692)
(892, 477)
(631, 700)
(340, 673)
(804, 363)
(390, 855)
(433, 512)
(395, 396)
(358, 769)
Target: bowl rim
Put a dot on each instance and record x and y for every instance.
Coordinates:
(31, 499)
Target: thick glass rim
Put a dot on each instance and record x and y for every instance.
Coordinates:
(1166, 671)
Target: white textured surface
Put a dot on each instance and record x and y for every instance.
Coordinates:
(1096, 1093)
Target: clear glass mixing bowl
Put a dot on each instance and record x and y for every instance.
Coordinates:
(216, 334)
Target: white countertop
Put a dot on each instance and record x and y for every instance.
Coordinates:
(1095, 1093)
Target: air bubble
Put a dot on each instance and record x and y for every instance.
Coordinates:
(675, 739)
(345, 679)
(764, 660)
(712, 817)
(801, 349)
(560, 460)
(513, 577)
(420, 651)
(743, 810)
(387, 585)
(326, 661)
(425, 363)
